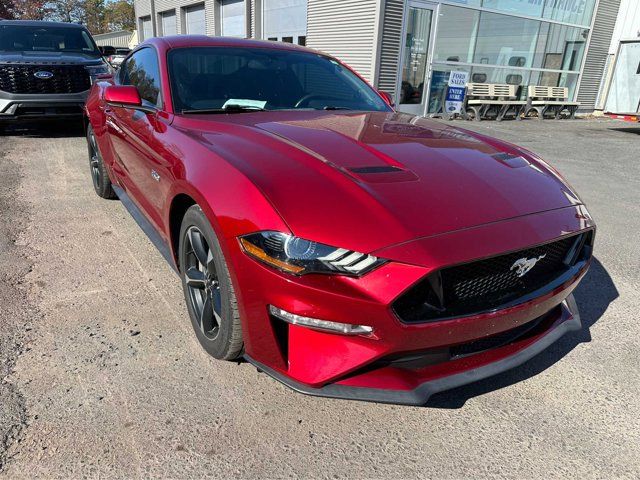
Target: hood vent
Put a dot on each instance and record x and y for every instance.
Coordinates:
(382, 174)
(375, 169)
(510, 160)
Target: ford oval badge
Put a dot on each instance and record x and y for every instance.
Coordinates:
(42, 74)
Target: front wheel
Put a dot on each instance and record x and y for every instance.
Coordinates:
(207, 286)
(99, 174)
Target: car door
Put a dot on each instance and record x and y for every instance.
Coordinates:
(137, 135)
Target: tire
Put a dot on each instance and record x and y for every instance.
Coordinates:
(99, 174)
(208, 290)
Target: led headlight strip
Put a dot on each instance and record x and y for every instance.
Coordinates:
(299, 256)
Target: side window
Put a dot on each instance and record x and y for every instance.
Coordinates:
(142, 71)
(121, 77)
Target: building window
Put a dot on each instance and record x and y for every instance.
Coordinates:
(456, 37)
(302, 40)
(168, 23)
(533, 9)
(194, 20)
(497, 48)
(233, 18)
(578, 12)
(284, 19)
(503, 40)
(560, 47)
(146, 28)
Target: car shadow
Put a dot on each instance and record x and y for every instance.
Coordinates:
(635, 130)
(593, 296)
(43, 129)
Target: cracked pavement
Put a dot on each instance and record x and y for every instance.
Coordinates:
(103, 377)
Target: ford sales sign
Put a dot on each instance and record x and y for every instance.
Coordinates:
(455, 92)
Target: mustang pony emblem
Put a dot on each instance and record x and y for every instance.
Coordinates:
(523, 265)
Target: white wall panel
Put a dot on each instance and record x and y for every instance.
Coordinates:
(345, 29)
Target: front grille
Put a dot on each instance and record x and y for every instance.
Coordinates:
(21, 79)
(490, 283)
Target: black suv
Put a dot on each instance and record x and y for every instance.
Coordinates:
(46, 69)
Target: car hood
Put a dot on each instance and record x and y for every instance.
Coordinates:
(49, 58)
(365, 181)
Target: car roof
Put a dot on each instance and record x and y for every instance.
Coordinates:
(40, 23)
(181, 41)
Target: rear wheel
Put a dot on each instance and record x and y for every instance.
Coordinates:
(207, 286)
(99, 174)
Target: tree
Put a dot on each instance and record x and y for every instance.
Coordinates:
(6, 10)
(29, 9)
(120, 15)
(93, 16)
(67, 10)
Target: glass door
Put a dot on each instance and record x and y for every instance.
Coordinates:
(416, 58)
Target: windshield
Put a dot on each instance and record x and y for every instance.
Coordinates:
(20, 38)
(216, 78)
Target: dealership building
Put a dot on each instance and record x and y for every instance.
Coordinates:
(409, 47)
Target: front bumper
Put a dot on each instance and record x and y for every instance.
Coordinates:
(15, 107)
(430, 381)
(401, 362)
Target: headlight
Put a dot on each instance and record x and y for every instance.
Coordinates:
(95, 70)
(299, 256)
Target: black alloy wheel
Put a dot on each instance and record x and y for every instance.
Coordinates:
(94, 161)
(208, 290)
(99, 175)
(202, 282)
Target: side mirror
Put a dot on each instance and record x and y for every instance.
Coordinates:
(387, 98)
(107, 50)
(125, 96)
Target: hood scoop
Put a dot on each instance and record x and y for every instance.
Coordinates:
(376, 169)
(382, 174)
(510, 160)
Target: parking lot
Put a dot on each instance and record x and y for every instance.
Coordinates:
(101, 374)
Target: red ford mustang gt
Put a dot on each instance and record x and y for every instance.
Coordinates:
(343, 248)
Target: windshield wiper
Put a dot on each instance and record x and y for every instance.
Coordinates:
(332, 107)
(227, 109)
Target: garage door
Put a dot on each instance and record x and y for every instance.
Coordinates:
(194, 20)
(233, 18)
(285, 20)
(168, 22)
(147, 28)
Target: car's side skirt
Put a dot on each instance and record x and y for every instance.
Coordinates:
(146, 226)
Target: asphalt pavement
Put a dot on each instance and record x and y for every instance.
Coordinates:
(101, 375)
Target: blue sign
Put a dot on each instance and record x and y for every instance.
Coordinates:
(455, 94)
(456, 91)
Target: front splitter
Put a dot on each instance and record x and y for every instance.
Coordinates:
(420, 395)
